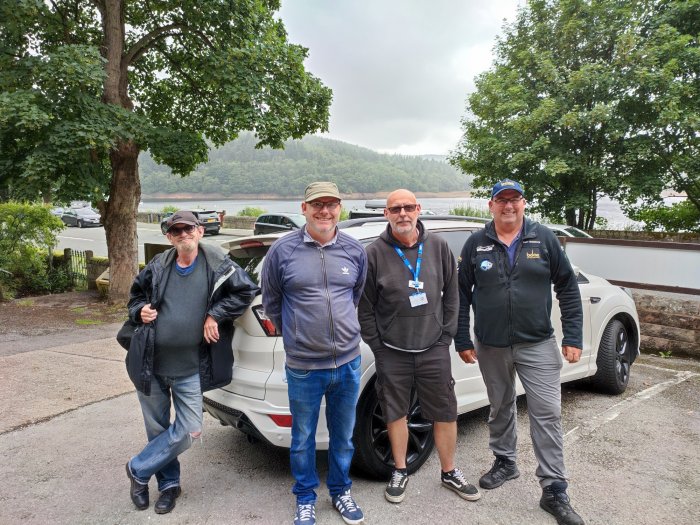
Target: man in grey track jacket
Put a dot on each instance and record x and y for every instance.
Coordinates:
(408, 315)
(312, 280)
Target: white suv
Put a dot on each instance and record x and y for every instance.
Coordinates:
(256, 402)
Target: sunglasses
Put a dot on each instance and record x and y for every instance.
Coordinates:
(177, 231)
(395, 210)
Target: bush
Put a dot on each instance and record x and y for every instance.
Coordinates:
(27, 233)
(250, 211)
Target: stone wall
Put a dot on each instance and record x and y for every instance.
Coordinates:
(669, 322)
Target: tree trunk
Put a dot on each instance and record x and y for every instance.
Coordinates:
(119, 212)
(120, 221)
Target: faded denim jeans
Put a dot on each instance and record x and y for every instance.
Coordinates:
(167, 441)
(341, 387)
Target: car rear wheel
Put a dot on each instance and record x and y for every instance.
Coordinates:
(373, 456)
(613, 359)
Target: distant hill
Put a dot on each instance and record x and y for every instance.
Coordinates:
(237, 168)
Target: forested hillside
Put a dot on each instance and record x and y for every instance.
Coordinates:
(238, 168)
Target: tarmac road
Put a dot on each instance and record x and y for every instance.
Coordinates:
(70, 421)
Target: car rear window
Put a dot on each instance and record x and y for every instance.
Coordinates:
(252, 261)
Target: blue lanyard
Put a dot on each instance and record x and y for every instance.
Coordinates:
(415, 273)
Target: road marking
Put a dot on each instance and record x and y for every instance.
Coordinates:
(593, 424)
(75, 238)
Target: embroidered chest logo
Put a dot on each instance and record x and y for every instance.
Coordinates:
(532, 254)
(345, 270)
(488, 248)
(486, 265)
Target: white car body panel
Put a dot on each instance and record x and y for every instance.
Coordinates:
(259, 385)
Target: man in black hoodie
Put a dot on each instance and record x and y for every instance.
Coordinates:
(408, 316)
(505, 274)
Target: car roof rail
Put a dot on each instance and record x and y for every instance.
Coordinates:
(350, 223)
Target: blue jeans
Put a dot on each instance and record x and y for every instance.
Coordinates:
(167, 441)
(341, 387)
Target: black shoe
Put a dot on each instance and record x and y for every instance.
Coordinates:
(396, 489)
(455, 481)
(502, 470)
(555, 501)
(166, 501)
(139, 493)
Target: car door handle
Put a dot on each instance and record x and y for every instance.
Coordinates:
(595, 300)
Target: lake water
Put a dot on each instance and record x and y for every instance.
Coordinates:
(607, 208)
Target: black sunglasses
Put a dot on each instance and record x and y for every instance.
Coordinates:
(177, 231)
(410, 208)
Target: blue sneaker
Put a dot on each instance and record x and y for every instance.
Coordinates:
(349, 510)
(305, 514)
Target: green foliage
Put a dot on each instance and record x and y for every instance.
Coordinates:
(589, 98)
(250, 211)
(239, 168)
(86, 86)
(680, 217)
(169, 209)
(466, 211)
(27, 232)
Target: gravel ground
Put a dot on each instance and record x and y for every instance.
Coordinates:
(48, 314)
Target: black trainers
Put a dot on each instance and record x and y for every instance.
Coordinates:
(501, 471)
(555, 501)
(396, 489)
(454, 480)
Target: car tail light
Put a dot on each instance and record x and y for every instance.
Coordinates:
(246, 245)
(265, 322)
(281, 420)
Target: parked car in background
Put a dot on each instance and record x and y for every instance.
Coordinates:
(256, 401)
(278, 222)
(207, 218)
(81, 217)
(57, 211)
(375, 208)
(563, 230)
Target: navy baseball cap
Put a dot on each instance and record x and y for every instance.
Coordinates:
(506, 184)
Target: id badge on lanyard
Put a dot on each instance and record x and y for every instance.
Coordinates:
(418, 297)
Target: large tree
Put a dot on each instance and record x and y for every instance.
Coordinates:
(565, 108)
(85, 85)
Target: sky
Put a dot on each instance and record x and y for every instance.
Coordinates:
(400, 70)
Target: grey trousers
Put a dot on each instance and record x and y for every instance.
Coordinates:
(538, 366)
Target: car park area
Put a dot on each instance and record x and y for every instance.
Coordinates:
(69, 430)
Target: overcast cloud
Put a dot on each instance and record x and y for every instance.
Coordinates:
(400, 70)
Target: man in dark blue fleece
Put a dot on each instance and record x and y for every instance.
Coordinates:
(506, 272)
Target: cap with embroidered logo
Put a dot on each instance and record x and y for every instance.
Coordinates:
(506, 184)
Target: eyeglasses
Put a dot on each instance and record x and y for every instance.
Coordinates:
(330, 206)
(503, 202)
(410, 208)
(177, 231)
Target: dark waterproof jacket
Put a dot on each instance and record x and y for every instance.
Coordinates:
(230, 293)
(514, 305)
